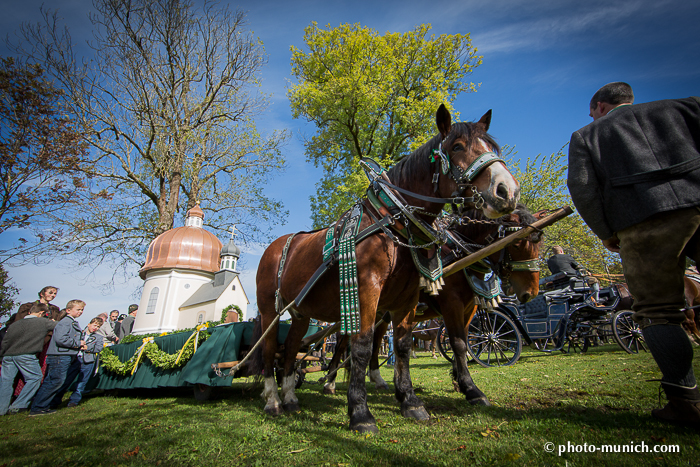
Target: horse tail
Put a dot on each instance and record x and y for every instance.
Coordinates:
(256, 363)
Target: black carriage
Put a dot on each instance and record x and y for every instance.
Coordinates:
(563, 317)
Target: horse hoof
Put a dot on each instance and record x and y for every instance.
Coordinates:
(329, 391)
(382, 387)
(480, 401)
(363, 428)
(291, 408)
(274, 411)
(417, 413)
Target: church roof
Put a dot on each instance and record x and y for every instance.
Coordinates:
(231, 249)
(211, 290)
(188, 247)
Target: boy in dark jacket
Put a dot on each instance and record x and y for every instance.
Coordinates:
(23, 341)
(61, 356)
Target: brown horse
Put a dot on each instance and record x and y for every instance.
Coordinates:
(386, 275)
(456, 303)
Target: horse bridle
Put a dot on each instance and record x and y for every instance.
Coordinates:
(506, 265)
(462, 178)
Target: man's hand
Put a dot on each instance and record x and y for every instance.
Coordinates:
(612, 244)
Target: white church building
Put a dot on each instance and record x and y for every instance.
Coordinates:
(189, 279)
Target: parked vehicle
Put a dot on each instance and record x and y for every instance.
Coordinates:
(565, 318)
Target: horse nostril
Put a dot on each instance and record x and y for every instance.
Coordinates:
(525, 298)
(502, 191)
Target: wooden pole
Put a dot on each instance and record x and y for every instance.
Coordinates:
(504, 242)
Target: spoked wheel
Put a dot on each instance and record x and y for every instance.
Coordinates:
(493, 340)
(576, 336)
(443, 343)
(627, 333)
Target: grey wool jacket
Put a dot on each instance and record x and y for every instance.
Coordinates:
(95, 344)
(66, 338)
(26, 336)
(636, 161)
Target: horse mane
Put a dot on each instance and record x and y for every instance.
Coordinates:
(418, 163)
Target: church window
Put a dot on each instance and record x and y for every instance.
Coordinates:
(200, 319)
(233, 287)
(226, 264)
(152, 300)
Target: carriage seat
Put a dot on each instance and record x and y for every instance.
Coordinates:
(555, 281)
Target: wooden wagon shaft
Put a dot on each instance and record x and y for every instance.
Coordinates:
(504, 242)
(300, 356)
(313, 369)
(320, 335)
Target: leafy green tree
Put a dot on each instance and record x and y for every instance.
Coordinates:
(8, 291)
(371, 95)
(543, 186)
(168, 101)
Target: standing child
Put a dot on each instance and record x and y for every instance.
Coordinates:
(61, 359)
(24, 340)
(88, 358)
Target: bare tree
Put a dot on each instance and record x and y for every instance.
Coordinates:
(168, 103)
(43, 158)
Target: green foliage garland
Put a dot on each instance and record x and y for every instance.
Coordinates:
(158, 358)
(236, 308)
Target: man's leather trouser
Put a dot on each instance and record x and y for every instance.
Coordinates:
(653, 256)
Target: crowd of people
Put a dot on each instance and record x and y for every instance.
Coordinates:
(45, 352)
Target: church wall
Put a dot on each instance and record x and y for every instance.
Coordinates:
(174, 288)
(233, 297)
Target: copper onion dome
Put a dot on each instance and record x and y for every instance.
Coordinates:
(188, 247)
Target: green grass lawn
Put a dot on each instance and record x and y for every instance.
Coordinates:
(600, 398)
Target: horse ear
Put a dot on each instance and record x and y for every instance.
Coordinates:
(485, 120)
(443, 120)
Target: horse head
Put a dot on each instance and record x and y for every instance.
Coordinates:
(517, 264)
(460, 165)
(472, 165)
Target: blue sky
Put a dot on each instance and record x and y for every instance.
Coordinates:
(542, 62)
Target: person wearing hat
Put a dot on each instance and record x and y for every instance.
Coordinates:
(128, 323)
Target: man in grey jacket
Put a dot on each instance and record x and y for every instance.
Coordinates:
(128, 324)
(634, 176)
(23, 341)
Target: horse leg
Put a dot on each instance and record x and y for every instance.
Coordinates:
(411, 405)
(454, 323)
(374, 374)
(361, 420)
(340, 348)
(433, 345)
(290, 403)
(273, 404)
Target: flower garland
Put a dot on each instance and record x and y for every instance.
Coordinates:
(158, 357)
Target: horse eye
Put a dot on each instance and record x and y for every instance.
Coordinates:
(457, 147)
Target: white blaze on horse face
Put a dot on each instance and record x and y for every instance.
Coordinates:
(503, 191)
